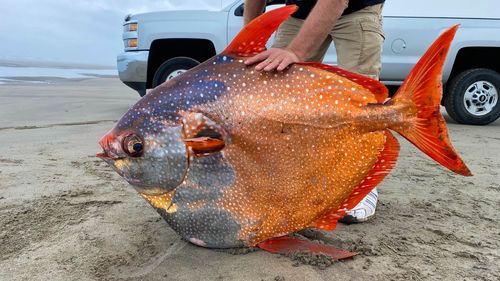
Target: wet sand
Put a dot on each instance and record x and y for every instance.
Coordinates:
(65, 215)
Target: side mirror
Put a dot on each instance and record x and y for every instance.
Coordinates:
(239, 11)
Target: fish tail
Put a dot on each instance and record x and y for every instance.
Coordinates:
(420, 99)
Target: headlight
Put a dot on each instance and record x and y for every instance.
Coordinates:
(130, 27)
(130, 35)
(130, 43)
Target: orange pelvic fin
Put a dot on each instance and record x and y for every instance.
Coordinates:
(421, 92)
(253, 37)
(286, 245)
(378, 89)
(386, 161)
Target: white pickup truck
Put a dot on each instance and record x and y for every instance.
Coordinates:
(161, 45)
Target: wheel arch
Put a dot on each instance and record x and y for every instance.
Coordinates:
(164, 49)
(473, 57)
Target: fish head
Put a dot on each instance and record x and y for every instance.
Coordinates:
(153, 144)
(146, 148)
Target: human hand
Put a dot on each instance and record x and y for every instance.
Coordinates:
(274, 58)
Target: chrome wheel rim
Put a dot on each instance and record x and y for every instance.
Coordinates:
(480, 98)
(175, 73)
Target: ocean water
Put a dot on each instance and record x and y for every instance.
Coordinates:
(48, 75)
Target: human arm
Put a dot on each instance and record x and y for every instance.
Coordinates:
(252, 9)
(314, 30)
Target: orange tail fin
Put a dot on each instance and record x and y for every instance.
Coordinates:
(422, 91)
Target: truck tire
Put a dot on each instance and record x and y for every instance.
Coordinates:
(473, 97)
(172, 68)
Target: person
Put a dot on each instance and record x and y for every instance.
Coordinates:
(354, 26)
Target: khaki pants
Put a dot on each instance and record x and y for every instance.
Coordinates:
(358, 39)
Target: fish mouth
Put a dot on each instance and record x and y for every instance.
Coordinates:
(107, 143)
(102, 155)
(106, 157)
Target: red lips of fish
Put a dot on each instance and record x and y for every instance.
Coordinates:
(106, 142)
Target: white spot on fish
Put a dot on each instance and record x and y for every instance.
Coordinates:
(197, 241)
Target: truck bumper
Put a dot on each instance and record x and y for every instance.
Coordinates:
(133, 69)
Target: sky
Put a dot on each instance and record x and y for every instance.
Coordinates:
(80, 31)
(90, 31)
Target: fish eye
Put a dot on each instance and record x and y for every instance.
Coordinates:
(133, 145)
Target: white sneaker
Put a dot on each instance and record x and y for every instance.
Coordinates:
(364, 210)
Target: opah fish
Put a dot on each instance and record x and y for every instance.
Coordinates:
(232, 157)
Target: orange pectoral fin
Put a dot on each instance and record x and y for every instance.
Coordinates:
(202, 135)
(204, 145)
(286, 245)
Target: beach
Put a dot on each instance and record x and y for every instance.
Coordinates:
(65, 215)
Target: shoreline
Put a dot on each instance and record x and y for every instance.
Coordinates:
(51, 64)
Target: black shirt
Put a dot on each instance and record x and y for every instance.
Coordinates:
(305, 6)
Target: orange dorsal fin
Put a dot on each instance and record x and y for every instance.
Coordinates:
(253, 37)
(386, 161)
(421, 92)
(378, 89)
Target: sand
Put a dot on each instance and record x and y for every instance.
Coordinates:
(65, 215)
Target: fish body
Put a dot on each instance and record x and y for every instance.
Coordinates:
(233, 157)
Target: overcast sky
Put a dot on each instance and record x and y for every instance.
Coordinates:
(90, 31)
(87, 31)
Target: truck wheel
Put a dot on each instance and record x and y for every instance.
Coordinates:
(172, 68)
(473, 97)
